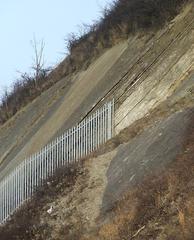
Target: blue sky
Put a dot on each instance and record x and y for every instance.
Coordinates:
(50, 20)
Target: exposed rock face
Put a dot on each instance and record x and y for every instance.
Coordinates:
(156, 64)
(154, 93)
(152, 150)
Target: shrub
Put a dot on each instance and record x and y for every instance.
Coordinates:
(118, 21)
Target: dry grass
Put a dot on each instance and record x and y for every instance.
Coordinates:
(161, 208)
(25, 224)
(121, 19)
(163, 205)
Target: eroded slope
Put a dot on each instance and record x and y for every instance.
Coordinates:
(140, 184)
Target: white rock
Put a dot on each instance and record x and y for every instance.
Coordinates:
(50, 210)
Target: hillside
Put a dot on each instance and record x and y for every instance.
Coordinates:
(139, 185)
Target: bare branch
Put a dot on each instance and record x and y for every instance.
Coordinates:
(38, 64)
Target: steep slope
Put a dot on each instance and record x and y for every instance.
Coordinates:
(138, 185)
(111, 75)
(55, 111)
(140, 180)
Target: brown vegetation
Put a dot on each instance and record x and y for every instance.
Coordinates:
(119, 20)
(161, 207)
(25, 223)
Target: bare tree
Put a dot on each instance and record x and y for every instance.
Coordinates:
(5, 97)
(38, 60)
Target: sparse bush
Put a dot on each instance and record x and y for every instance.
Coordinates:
(160, 207)
(118, 21)
(25, 224)
(26, 88)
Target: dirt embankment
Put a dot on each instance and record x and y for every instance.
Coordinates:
(145, 57)
(137, 186)
(140, 184)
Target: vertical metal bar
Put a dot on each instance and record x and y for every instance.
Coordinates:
(40, 169)
(112, 116)
(1, 202)
(44, 151)
(96, 129)
(5, 205)
(93, 131)
(47, 161)
(42, 165)
(24, 179)
(31, 177)
(103, 124)
(105, 115)
(33, 174)
(4, 212)
(1, 205)
(57, 159)
(108, 121)
(52, 158)
(20, 182)
(35, 171)
(20, 186)
(16, 188)
(48, 167)
(86, 132)
(70, 142)
(74, 145)
(10, 193)
(86, 136)
(67, 152)
(71, 145)
(27, 178)
(59, 150)
(4, 200)
(100, 126)
(77, 143)
(90, 134)
(81, 139)
(62, 149)
(8, 196)
(65, 149)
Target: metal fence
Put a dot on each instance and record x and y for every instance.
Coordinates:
(77, 142)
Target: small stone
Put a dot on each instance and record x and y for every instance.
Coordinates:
(50, 210)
